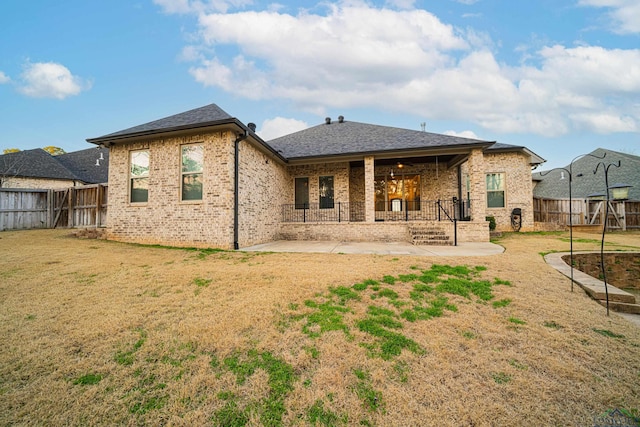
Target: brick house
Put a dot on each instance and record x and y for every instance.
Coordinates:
(203, 178)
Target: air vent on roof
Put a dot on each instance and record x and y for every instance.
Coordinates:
(340, 119)
(327, 120)
(252, 126)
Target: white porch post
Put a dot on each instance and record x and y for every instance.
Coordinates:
(369, 189)
(478, 185)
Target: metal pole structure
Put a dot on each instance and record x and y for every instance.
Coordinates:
(604, 224)
(571, 206)
(570, 172)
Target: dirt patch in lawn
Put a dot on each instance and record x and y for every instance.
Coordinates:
(100, 333)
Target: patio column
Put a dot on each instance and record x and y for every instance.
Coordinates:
(478, 186)
(369, 189)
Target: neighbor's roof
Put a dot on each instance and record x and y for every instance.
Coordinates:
(35, 163)
(90, 165)
(350, 138)
(75, 166)
(583, 180)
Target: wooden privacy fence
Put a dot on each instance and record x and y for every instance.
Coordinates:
(622, 214)
(23, 209)
(82, 206)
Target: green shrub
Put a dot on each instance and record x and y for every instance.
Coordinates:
(492, 223)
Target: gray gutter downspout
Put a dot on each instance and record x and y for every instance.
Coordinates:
(236, 187)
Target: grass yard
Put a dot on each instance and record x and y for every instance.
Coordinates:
(103, 333)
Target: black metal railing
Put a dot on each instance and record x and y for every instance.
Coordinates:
(314, 212)
(395, 210)
(424, 210)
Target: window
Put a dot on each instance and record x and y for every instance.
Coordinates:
(325, 190)
(192, 160)
(139, 176)
(495, 190)
(397, 192)
(302, 193)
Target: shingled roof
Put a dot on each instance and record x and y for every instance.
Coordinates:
(74, 166)
(551, 184)
(209, 115)
(345, 138)
(35, 163)
(341, 139)
(90, 166)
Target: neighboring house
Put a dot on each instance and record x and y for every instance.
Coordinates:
(554, 184)
(39, 169)
(203, 178)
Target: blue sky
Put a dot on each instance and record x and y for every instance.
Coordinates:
(560, 77)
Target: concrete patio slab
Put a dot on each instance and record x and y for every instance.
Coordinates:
(379, 248)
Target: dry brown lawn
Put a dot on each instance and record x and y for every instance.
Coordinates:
(103, 333)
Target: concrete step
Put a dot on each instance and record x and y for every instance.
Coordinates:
(428, 235)
(622, 307)
(433, 237)
(434, 243)
(597, 291)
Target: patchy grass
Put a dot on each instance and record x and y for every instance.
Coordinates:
(88, 379)
(117, 337)
(607, 333)
(501, 303)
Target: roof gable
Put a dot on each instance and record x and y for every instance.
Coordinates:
(199, 117)
(345, 138)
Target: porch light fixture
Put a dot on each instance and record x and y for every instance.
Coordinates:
(620, 191)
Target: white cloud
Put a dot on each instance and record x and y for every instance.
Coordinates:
(606, 122)
(412, 63)
(279, 126)
(624, 14)
(4, 78)
(464, 134)
(50, 80)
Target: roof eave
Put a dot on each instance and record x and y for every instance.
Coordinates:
(170, 131)
(389, 154)
(535, 159)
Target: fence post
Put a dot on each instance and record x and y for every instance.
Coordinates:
(50, 210)
(339, 212)
(70, 202)
(98, 204)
